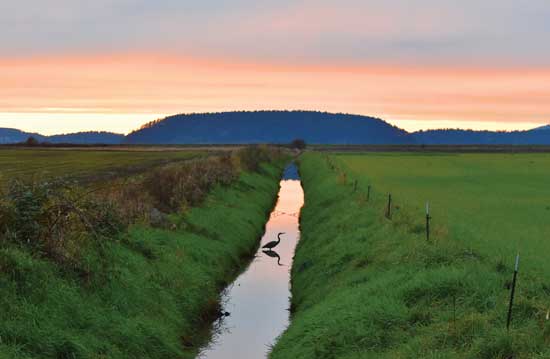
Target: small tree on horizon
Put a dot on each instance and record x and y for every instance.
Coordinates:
(298, 143)
(31, 142)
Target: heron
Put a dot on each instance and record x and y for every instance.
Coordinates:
(273, 244)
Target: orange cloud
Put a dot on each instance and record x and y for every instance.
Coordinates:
(125, 88)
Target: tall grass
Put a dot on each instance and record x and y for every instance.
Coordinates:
(143, 292)
(180, 186)
(364, 286)
(58, 218)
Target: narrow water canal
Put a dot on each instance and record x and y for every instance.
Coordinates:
(258, 301)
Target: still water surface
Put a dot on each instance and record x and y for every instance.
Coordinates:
(258, 300)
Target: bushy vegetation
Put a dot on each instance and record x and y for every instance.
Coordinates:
(56, 219)
(179, 186)
(176, 187)
(250, 157)
(59, 218)
(298, 144)
(84, 275)
(364, 286)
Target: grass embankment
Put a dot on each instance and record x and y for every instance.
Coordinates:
(146, 294)
(367, 287)
(78, 163)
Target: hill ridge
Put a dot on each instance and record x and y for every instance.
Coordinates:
(283, 126)
(271, 126)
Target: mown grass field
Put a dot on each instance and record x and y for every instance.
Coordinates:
(496, 203)
(79, 163)
(364, 286)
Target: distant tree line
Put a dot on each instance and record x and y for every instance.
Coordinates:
(31, 141)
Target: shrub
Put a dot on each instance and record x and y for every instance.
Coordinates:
(133, 203)
(26, 204)
(252, 156)
(56, 218)
(177, 186)
(6, 214)
(31, 142)
(298, 144)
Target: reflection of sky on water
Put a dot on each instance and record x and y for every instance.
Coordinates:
(259, 299)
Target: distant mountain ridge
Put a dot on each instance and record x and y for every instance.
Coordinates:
(470, 137)
(89, 137)
(11, 135)
(314, 128)
(243, 127)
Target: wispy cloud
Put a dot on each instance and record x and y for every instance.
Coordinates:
(392, 31)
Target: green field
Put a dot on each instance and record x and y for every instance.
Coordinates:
(496, 203)
(78, 163)
(364, 286)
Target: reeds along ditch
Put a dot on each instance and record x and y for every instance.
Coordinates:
(365, 286)
(59, 218)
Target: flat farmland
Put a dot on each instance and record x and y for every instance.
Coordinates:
(83, 163)
(496, 203)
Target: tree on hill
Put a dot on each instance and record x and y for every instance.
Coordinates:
(31, 142)
(298, 143)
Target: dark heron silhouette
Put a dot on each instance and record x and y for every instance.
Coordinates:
(273, 244)
(273, 254)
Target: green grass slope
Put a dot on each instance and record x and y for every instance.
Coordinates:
(146, 295)
(367, 287)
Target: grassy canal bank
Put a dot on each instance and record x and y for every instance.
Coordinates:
(364, 286)
(143, 293)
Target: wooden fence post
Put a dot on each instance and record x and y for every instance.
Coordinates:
(428, 221)
(388, 212)
(513, 291)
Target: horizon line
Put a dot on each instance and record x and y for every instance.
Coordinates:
(532, 125)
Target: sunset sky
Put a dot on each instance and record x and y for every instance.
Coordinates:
(113, 65)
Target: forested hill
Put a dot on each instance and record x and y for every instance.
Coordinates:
(538, 136)
(268, 127)
(10, 135)
(90, 137)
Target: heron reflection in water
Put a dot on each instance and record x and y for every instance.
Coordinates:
(273, 254)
